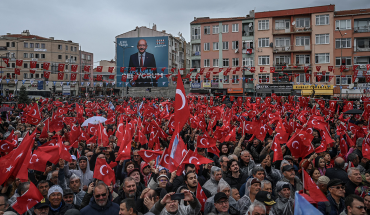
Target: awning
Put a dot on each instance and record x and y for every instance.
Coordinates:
(324, 92)
(306, 92)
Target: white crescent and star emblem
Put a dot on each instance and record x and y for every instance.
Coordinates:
(178, 91)
(293, 144)
(148, 156)
(101, 169)
(191, 158)
(165, 158)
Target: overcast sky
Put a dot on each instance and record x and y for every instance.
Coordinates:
(94, 24)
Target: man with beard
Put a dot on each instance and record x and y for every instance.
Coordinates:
(211, 184)
(253, 186)
(234, 177)
(191, 182)
(294, 182)
(78, 194)
(101, 203)
(84, 173)
(73, 163)
(43, 187)
(129, 190)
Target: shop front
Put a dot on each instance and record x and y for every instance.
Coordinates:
(263, 90)
(325, 91)
(235, 91)
(219, 92)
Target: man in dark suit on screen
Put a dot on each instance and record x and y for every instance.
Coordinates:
(143, 59)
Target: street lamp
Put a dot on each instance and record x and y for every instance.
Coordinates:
(341, 56)
(123, 61)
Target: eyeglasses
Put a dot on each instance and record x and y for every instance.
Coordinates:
(340, 187)
(360, 207)
(99, 195)
(136, 155)
(223, 202)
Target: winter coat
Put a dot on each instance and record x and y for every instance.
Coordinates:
(283, 206)
(236, 182)
(77, 198)
(351, 187)
(211, 186)
(209, 206)
(61, 210)
(298, 186)
(334, 209)
(121, 196)
(94, 209)
(193, 208)
(337, 173)
(86, 178)
(244, 204)
(246, 169)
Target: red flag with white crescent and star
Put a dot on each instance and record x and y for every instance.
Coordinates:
(201, 196)
(182, 112)
(149, 155)
(29, 199)
(104, 172)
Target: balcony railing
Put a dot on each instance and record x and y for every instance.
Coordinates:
(364, 49)
(361, 29)
(292, 29)
(296, 67)
(285, 49)
(196, 53)
(247, 51)
(247, 33)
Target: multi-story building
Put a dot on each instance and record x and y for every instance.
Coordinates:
(28, 47)
(221, 43)
(297, 44)
(351, 51)
(87, 83)
(105, 86)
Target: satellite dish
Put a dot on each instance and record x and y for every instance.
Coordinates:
(293, 23)
(250, 24)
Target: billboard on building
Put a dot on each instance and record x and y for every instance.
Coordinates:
(148, 53)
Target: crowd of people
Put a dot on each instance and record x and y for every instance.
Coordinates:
(257, 172)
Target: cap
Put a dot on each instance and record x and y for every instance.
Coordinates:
(287, 168)
(73, 157)
(335, 182)
(220, 196)
(288, 157)
(265, 197)
(163, 176)
(255, 180)
(55, 189)
(67, 191)
(133, 170)
(42, 204)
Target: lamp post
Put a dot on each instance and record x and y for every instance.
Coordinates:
(123, 62)
(341, 56)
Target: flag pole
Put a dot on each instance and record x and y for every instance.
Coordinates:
(303, 179)
(182, 160)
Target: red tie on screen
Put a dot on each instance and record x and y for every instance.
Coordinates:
(141, 60)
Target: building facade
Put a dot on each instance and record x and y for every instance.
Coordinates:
(86, 82)
(105, 86)
(218, 44)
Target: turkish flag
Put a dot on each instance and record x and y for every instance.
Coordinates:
(87, 68)
(124, 78)
(19, 62)
(110, 121)
(86, 76)
(314, 190)
(74, 134)
(17, 71)
(99, 68)
(92, 128)
(46, 66)
(63, 151)
(201, 196)
(104, 172)
(182, 112)
(168, 162)
(111, 77)
(103, 138)
(60, 76)
(32, 71)
(33, 64)
(8, 145)
(74, 68)
(196, 159)
(214, 150)
(61, 67)
(231, 136)
(205, 141)
(366, 147)
(149, 155)
(297, 147)
(38, 160)
(110, 69)
(125, 146)
(318, 68)
(56, 124)
(122, 69)
(278, 154)
(73, 77)
(44, 132)
(46, 74)
(140, 137)
(29, 199)
(99, 77)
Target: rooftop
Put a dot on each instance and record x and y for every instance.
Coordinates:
(20, 36)
(295, 11)
(350, 12)
(203, 20)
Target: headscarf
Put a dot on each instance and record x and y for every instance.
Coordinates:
(222, 184)
(146, 178)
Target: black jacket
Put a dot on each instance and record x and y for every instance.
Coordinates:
(62, 210)
(351, 187)
(94, 209)
(337, 173)
(236, 182)
(121, 196)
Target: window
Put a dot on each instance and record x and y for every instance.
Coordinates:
(235, 62)
(42, 75)
(66, 57)
(206, 46)
(75, 58)
(322, 58)
(225, 28)
(42, 45)
(25, 65)
(215, 46)
(235, 44)
(322, 38)
(25, 45)
(207, 30)
(215, 62)
(88, 57)
(263, 42)
(13, 44)
(25, 55)
(75, 49)
(37, 75)
(42, 55)
(322, 19)
(346, 80)
(66, 48)
(195, 33)
(37, 55)
(37, 66)
(282, 59)
(282, 42)
(302, 59)
(264, 60)
(226, 79)
(7, 44)
(60, 47)
(343, 24)
(31, 45)
(248, 61)
(235, 28)
(282, 24)
(344, 42)
(37, 45)
(302, 78)
(302, 41)
(215, 79)
(345, 61)
(235, 79)
(206, 63)
(59, 57)
(13, 65)
(302, 22)
(324, 78)
(31, 55)
(215, 29)
(225, 45)
(71, 48)
(24, 75)
(264, 78)
(31, 75)
(225, 62)
(263, 25)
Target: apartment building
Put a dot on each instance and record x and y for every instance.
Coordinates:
(29, 47)
(105, 86)
(222, 44)
(294, 51)
(87, 81)
(351, 52)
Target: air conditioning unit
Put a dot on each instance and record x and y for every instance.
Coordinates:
(236, 50)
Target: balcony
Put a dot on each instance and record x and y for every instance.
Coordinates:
(292, 30)
(247, 33)
(290, 67)
(248, 51)
(362, 44)
(194, 53)
(288, 49)
(361, 29)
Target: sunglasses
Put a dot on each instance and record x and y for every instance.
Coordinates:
(340, 187)
(360, 207)
(99, 195)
